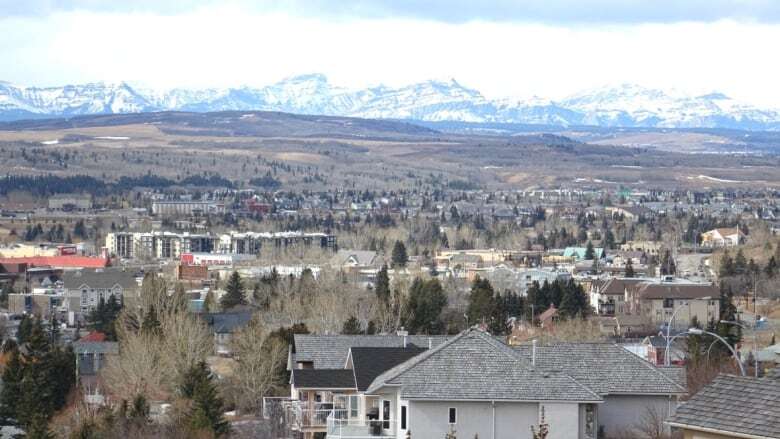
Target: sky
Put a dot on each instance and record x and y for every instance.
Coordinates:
(504, 48)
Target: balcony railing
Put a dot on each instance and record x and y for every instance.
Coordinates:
(297, 414)
(341, 426)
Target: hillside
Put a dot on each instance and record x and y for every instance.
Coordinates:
(313, 152)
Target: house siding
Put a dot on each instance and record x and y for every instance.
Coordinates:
(513, 419)
(623, 412)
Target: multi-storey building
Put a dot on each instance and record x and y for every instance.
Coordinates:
(168, 245)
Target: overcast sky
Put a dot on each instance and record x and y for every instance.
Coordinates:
(549, 48)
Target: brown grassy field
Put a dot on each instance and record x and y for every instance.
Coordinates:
(377, 158)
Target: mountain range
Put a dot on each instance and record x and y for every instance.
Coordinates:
(625, 105)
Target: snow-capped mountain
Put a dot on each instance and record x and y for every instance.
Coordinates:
(624, 105)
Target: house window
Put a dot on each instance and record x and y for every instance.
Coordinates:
(403, 417)
(668, 303)
(453, 415)
(386, 414)
(353, 406)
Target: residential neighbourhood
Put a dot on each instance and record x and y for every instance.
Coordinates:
(428, 219)
(604, 337)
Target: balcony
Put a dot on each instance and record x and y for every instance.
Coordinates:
(341, 426)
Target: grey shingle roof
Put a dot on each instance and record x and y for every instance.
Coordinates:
(330, 351)
(368, 363)
(733, 404)
(475, 366)
(654, 290)
(102, 278)
(323, 378)
(606, 368)
(227, 322)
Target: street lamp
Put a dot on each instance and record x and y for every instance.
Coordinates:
(697, 331)
(668, 330)
(755, 341)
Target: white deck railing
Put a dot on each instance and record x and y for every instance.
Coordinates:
(341, 426)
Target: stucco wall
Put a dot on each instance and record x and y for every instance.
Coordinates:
(564, 420)
(620, 412)
(513, 420)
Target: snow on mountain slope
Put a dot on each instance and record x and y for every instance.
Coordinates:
(625, 105)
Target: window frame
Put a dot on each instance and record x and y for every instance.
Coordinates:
(452, 415)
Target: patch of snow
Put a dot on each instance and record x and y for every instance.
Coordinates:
(50, 142)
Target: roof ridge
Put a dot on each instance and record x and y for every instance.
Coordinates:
(416, 360)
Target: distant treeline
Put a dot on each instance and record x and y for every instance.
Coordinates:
(47, 185)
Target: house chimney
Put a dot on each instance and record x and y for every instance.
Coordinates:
(403, 333)
(533, 353)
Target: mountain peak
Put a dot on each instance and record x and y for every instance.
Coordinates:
(624, 105)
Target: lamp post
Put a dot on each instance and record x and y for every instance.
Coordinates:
(755, 341)
(697, 331)
(668, 330)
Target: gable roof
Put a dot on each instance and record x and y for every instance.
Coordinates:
(606, 368)
(330, 351)
(369, 363)
(617, 286)
(746, 406)
(476, 366)
(322, 379)
(99, 278)
(360, 257)
(664, 290)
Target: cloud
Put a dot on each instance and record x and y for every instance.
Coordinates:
(448, 11)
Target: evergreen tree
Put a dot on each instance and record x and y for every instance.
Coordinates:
(590, 252)
(482, 305)
(630, 268)
(726, 266)
(103, 317)
(728, 313)
(574, 302)
(426, 302)
(10, 392)
(382, 288)
(25, 329)
(351, 326)
(206, 413)
(235, 295)
(399, 256)
(36, 382)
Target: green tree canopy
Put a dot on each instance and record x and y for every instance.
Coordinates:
(424, 307)
(399, 256)
(235, 294)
